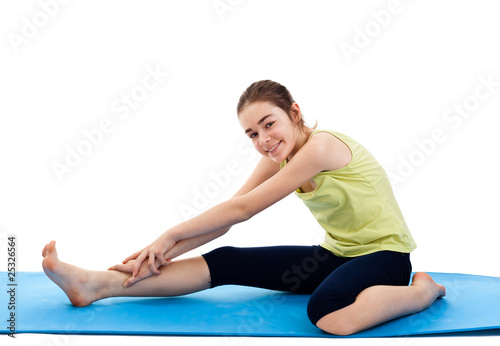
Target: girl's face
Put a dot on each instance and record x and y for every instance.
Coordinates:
(272, 132)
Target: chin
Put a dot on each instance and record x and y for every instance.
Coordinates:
(277, 159)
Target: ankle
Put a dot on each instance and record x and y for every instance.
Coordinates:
(111, 284)
(423, 296)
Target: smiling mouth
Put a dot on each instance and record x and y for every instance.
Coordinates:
(272, 149)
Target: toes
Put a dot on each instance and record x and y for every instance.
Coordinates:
(443, 290)
(49, 248)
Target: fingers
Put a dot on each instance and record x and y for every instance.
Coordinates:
(153, 260)
(162, 261)
(121, 268)
(132, 280)
(135, 279)
(138, 262)
(133, 256)
(144, 272)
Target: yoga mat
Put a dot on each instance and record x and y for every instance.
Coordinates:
(472, 304)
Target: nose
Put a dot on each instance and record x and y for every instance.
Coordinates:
(264, 139)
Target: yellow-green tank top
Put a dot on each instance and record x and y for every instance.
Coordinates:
(356, 206)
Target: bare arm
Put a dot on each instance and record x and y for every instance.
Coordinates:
(307, 162)
(264, 170)
(187, 245)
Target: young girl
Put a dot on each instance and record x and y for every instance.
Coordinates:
(358, 277)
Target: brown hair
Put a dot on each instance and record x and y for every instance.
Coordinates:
(268, 90)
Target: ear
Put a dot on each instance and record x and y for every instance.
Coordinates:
(296, 113)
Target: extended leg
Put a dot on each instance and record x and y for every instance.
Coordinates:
(83, 287)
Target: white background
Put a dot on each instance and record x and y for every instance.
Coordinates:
(65, 68)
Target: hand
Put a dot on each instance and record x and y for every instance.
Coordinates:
(155, 252)
(144, 271)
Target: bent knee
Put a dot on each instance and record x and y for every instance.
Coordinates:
(328, 314)
(320, 307)
(335, 324)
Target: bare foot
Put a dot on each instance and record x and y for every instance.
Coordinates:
(431, 289)
(80, 285)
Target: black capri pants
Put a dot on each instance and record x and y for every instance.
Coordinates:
(333, 282)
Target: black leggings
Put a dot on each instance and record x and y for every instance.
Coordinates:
(333, 281)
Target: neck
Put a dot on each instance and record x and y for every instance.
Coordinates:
(302, 137)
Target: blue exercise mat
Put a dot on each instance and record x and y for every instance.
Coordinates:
(472, 304)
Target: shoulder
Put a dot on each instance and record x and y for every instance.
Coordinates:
(330, 149)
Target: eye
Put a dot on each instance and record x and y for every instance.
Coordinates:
(253, 135)
(270, 124)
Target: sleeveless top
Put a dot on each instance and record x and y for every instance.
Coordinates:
(356, 206)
